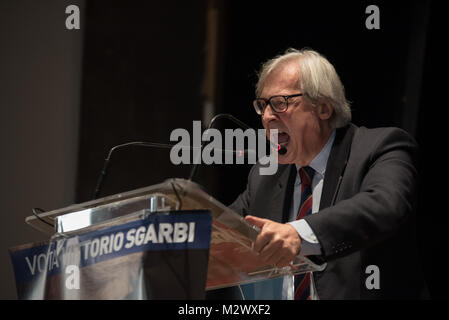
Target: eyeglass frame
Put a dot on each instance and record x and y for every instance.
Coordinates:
(267, 102)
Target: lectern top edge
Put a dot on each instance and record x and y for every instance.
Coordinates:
(99, 208)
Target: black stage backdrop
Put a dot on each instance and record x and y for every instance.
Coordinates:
(142, 73)
(144, 67)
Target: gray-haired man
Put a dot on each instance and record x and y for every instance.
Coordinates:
(358, 215)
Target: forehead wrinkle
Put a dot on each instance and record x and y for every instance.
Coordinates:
(282, 80)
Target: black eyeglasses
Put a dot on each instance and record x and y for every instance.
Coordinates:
(277, 103)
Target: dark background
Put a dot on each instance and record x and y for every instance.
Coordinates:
(142, 74)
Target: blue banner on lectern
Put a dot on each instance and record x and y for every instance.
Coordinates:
(162, 256)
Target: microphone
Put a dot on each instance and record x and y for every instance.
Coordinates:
(228, 116)
(108, 158)
(281, 149)
(106, 163)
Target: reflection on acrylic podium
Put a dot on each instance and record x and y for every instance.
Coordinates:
(167, 241)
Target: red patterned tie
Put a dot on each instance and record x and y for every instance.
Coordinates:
(302, 281)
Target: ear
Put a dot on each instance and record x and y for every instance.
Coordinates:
(324, 110)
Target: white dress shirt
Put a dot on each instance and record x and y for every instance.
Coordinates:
(310, 244)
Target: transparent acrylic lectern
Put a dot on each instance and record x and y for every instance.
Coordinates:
(231, 260)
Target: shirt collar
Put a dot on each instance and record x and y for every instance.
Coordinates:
(319, 163)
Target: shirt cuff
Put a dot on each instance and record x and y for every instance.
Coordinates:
(309, 242)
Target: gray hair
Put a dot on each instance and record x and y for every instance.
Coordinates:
(319, 81)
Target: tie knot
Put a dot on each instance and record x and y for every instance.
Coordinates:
(306, 175)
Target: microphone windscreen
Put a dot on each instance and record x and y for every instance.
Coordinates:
(282, 150)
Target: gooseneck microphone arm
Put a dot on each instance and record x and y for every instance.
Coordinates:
(281, 149)
(228, 116)
(107, 161)
(108, 158)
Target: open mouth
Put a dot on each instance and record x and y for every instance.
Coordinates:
(283, 138)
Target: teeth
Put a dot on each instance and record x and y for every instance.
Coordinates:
(279, 131)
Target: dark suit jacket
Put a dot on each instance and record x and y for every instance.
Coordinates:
(365, 217)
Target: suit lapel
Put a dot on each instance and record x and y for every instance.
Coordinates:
(275, 200)
(336, 163)
(287, 184)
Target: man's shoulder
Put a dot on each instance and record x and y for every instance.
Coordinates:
(373, 142)
(382, 135)
(379, 131)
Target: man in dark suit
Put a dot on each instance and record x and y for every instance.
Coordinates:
(342, 195)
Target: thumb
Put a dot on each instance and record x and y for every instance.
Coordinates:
(258, 222)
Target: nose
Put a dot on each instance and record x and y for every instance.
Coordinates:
(269, 115)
